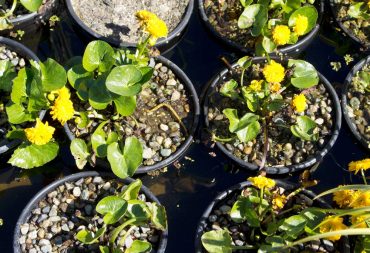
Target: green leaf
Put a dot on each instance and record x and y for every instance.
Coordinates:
(260, 21)
(245, 62)
(137, 209)
(17, 114)
(292, 5)
(232, 115)
(228, 89)
(31, 156)
(242, 211)
(132, 190)
(7, 74)
(80, 152)
(99, 94)
(248, 16)
(304, 74)
(104, 249)
(268, 44)
(98, 140)
(218, 241)
(125, 106)
(250, 132)
(294, 226)
(53, 75)
(139, 247)
(354, 10)
(275, 105)
(147, 74)
(77, 74)
(98, 55)
(125, 80)
(245, 3)
(304, 128)
(19, 86)
(87, 237)
(159, 216)
(15, 134)
(31, 5)
(125, 165)
(308, 11)
(113, 208)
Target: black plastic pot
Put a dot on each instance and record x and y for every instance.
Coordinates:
(186, 144)
(28, 54)
(41, 194)
(347, 83)
(344, 247)
(290, 50)
(345, 29)
(32, 21)
(280, 169)
(162, 44)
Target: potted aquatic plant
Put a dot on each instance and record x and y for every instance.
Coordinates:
(263, 26)
(93, 212)
(272, 114)
(130, 108)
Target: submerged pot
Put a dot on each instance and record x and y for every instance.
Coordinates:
(290, 50)
(348, 32)
(26, 213)
(162, 44)
(193, 100)
(25, 52)
(223, 196)
(279, 169)
(345, 102)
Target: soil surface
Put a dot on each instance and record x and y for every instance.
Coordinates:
(116, 19)
(358, 106)
(69, 208)
(285, 149)
(160, 133)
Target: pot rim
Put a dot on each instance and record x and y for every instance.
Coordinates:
(224, 194)
(290, 168)
(284, 49)
(161, 42)
(347, 83)
(192, 95)
(345, 29)
(29, 55)
(74, 177)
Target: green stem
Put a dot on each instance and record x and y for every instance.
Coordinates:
(141, 51)
(242, 78)
(10, 12)
(123, 239)
(215, 138)
(363, 176)
(261, 197)
(117, 230)
(242, 247)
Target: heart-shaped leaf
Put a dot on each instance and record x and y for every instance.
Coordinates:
(98, 140)
(113, 208)
(125, 80)
(125, 105)
(7, 74)
(31, 5)
(132, 190)
(248, 16)
(304, 129)
(159, 216)
(53, 75)
(304, 74)
(87, 237)
(139, 247)
(98, 55)
(243, 210)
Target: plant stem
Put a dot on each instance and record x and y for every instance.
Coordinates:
(215, 138)
(113, 236)
(242, 247)
(363, 176)
(242, 78)
(141, 51)
(10, 12)
(172, 111)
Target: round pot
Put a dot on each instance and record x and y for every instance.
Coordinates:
(280, 169)
(192, 94)
(347, 31)
(75, 177)
(345, 248)
(162, 44)
(347, 83)
(291, 50)
(28, 54)
(32, 21)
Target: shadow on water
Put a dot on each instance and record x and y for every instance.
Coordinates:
(204, 171)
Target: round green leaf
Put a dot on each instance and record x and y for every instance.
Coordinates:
(31, 5)
(113, 208)
(87, 237)
(77, 74)
(139, 247)
(217, 241)
(98, 55)
(308, 11)
(125, 105)
(53, 75)
(124, 80)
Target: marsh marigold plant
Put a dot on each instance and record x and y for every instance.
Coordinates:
(41, 134)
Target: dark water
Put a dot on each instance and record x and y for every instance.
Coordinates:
(186, 191)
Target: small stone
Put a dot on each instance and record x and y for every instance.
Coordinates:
(44, 242)
(239, 243)
(85, 194)
(319, 121)
(53, 211)
(171, 82)
(175, 96)
(41, 233)
(77, 192)
(65, 228)
(32, 235)
(225, 209)
(46, 249)
(163, 127)
(148, 153)
(167, 143)
(97, 180)
(165, 152)
(46, 209)
(25, 228)
(212, 218)
(128, 242)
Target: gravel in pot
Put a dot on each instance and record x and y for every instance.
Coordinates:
(353, 19)
(51, 220)
(118, 25)
(286, 152)
(18, 55)
(356, 101)
(163, 137)
(222, 20)
(217, 217)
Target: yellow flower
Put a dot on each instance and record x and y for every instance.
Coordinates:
(256, 85)
(262, 182)
(275, 87)
(281, 35)
(41, 134)
(360, 221)
(332, 224)
(299, 102)
(301, 24)
(359, 165)
(152, 24)
(274, 72)
(344, 198)
(362, 199)
(62, 110)
(279, 201)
